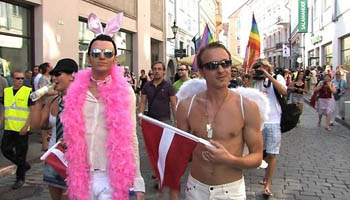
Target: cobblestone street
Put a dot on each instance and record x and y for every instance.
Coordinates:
(313, 164)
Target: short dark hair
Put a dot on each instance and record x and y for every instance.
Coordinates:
(15, 71)
(103, 38)
(158, 62)
(43, 67)
(213, 45)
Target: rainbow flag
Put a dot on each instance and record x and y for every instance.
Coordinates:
(253, 47)
(206, 39)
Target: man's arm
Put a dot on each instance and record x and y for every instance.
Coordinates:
(252, 137)
(143, 102)
(24, 130)
(173, 107)
(279, 86)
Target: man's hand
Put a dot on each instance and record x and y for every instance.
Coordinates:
(140, 195)
(218, 154)
(23, 131)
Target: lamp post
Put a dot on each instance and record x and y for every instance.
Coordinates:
(174, 29)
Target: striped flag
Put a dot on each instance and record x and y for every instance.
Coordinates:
(206, 39)
(253, 47)
(55, 158)
(169, 149)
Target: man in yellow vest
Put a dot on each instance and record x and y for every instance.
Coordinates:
(14, 144)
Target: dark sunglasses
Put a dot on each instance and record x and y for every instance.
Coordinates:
(215, 64)
(19, 78)
(57, 74)
(181, 69)
(234, 71)
(96, 53)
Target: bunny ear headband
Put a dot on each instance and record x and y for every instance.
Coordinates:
(94, 24)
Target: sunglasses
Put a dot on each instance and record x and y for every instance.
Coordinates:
(57, 74)
(19, 78)
(107, 53)
(215, 64)
(181, 70)
(234, 71)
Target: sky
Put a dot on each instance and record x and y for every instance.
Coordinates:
(228, 6)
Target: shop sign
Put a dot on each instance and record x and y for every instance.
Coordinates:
(303, 16)
(316, 39)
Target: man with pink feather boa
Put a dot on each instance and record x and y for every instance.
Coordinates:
(100, 127)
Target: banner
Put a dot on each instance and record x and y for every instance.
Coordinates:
(303, 16)
(286, 51)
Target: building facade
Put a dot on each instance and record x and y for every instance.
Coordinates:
(36, 31)
(190, 16)
(328, 39)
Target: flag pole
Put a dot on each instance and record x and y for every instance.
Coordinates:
(176, 130)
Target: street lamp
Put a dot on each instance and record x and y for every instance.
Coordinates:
(174, 28)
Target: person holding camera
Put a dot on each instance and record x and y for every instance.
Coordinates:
(298, 88)
(267, 83)
(325, 90)
(341, 86)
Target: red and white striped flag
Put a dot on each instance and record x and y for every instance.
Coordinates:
(55, 158)
(169, 150)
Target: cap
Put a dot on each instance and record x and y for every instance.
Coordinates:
(65, 65)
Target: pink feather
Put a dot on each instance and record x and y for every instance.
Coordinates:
(121, 167)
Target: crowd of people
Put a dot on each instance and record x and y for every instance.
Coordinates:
(92, 113)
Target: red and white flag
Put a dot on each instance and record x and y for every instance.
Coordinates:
(169, 150)
(55, 158)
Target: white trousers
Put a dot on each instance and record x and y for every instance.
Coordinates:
(100, 187)
(339, 108)
(196, 190)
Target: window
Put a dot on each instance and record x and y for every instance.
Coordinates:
(122, 39)
(15, 38)
(328, 54)
(345, 51)
(326, 4)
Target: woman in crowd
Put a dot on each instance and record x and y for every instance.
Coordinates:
(143, 79)
(62, 76)
(325, 107)
(298, 88)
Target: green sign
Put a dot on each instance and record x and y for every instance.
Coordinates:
(303, 16)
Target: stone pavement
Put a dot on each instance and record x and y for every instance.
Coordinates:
(313, 164)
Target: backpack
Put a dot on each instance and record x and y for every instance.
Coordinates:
(290, 112)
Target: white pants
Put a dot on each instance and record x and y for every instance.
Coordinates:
(100, 187)
(339, 108)
(196, 190)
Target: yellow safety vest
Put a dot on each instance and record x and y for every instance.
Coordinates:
(16, 108)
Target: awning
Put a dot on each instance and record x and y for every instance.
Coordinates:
(237, 61)
(186, 60)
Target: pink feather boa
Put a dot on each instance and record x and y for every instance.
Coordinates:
(121, 166)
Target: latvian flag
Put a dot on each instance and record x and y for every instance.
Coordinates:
(55, 158)
(169, 150)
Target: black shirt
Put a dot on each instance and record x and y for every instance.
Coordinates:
(158, 102)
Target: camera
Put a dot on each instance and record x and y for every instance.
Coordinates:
(259, 74)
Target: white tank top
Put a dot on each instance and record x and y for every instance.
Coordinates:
(52, 121)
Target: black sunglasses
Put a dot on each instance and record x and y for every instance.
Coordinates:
(96, 53)
(181, 69)
(19, 78)
(57, 74)
(215, 64)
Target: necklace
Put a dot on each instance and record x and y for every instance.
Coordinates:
(209, 126)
